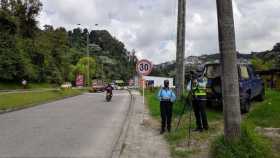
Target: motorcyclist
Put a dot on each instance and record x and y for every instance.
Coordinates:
(109, 89)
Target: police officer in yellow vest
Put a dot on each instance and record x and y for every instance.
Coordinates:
(199, 103)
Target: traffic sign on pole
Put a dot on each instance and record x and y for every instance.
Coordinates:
(144, 67)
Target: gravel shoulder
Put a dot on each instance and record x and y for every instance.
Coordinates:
(143, 139)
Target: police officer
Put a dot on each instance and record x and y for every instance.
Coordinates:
(167, 98)
(198, 88)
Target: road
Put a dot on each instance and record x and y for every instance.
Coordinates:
(81, 126)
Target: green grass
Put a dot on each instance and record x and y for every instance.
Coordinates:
(177, 139)
(251, 145)
(23, 100)
(266, 113)
(263, 114)
(12, 86)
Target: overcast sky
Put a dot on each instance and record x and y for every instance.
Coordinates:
(149, 26)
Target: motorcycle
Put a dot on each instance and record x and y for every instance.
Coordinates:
(108, 97)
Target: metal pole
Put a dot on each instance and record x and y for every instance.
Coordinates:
(143, 91)
(88, 59)
(191, 105)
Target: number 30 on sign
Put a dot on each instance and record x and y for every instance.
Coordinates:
(144, 67)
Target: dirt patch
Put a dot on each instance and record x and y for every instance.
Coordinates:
(269, 132)
(274, 135)
(199, 143)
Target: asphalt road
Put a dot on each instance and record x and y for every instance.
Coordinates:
(82, 126)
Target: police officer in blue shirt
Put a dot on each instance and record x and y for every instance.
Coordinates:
(167, 98)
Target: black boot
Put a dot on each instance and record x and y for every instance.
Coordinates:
(198, 130)
(169, 128)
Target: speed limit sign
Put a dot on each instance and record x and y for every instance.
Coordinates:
(144, 67)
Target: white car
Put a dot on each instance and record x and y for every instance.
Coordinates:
(66, 85)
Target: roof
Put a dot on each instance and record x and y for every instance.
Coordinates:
(218, 63)
(157, 77)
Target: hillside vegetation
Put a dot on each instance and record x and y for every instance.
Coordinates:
(55, 55)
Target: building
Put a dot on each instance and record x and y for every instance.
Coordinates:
(158, 81)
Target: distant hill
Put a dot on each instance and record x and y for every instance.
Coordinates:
(196, 63)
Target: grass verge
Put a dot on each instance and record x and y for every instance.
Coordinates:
(264, 114)
(178, 140)
(251, 145)
(23, 100)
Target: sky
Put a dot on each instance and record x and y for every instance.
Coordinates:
(149, 26)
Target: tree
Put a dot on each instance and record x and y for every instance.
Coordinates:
(276, 47)
(180, 56)
(50, 55)
(230, 85)
(260, 64)
(26, 11)
(4, 4)
(82, 67)
(8, 56)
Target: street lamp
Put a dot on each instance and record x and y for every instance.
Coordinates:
(88, 78)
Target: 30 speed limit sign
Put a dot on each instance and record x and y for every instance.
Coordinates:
(144, 67)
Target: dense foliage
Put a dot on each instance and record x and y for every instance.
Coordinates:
(55, 55)
(268, 59)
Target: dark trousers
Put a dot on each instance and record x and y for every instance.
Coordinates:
(199, 104)
(166, 114)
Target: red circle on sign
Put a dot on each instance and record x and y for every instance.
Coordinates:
(144, 67)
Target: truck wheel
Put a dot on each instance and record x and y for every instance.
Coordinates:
(261, 96)
(246, 104)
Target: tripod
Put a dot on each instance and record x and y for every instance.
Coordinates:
(189, 102)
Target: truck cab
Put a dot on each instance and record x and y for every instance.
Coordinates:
(251, 85)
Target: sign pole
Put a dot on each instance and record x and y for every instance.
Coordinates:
(143, 91)
(144, 68)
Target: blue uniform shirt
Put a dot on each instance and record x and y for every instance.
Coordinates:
(166, 94)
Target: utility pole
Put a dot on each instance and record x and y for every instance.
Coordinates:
(88, 56)
(230, 85)
(88, 67)
(180, 54)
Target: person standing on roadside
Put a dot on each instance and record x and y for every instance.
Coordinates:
(166, 98)
(24, 83)
(198, 89)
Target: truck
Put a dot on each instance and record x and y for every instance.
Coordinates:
(97, 86)
(251, 86)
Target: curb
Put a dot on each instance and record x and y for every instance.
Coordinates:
(120, 144)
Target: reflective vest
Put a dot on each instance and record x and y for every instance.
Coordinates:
(200, 87)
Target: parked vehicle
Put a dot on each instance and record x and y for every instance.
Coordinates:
(119, 84)
(66, 85)
(251, 85)
(98, 86)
